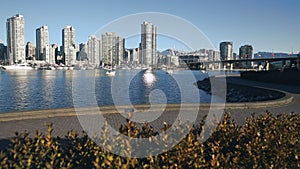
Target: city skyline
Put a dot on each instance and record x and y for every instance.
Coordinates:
(268, 26)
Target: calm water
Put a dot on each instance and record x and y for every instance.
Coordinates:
(35, 90)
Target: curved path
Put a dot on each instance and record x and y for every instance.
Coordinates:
(294, 106)
(65, 119)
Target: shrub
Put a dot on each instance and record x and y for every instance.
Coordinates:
(265, 141)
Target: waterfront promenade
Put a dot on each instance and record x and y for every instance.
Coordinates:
(64, 120)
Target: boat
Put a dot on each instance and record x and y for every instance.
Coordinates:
(52, 68)
(203, 71)
(18, 67)
(110, 73)
(70, 67)
(148, 70)
(170, 71)
(108, 68)
(59, 68)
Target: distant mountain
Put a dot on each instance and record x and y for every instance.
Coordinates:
(166, 52)
(270, 55)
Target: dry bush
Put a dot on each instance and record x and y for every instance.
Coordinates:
(265, 141)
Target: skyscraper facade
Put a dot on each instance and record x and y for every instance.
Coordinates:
(148, 44)
(50, 52)
(113, 47)
(42, 41)
(69, 47)
(93, 50)
(3, 53)
(213, 55)
(134, 56)
(82, 53)
(226, 50)
(30, 51)
(15, 29)
(246, 52)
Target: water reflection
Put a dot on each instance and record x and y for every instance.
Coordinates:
(149, 78)
(62, 89)
(18, 88)
(48, 86)
(35, 90)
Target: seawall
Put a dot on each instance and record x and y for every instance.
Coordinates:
(286, 76)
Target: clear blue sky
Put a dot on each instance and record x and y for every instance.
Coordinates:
(267, 25)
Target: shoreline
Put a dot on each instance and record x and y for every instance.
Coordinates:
(65, 120)
(142, 108)
(284, 99)
(240, 93)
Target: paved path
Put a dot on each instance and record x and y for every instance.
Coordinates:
(294, 106)
(62, 124)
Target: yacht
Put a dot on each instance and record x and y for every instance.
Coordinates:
(18, 67)
(70, 67)
(170, 71)
(111, 73)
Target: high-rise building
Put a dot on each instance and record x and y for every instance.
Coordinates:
(69, 46)
(113, 47)
(148, 44)
(51, 53)
(126, 58)
(135, 55)
(235, 56)
(42, 41)
(93, 50)
(82, 53)
(213, 55)
(226, 50)
(81, 46)
(246, 52)
(3, 54)
(58, 55)
(30, 51)
(15, 29)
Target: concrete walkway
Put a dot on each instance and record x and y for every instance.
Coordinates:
(65, 119)
(240, 114)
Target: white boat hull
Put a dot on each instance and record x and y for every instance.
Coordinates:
(17, 67)
(110, 73)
